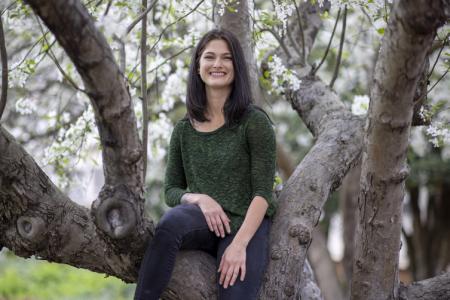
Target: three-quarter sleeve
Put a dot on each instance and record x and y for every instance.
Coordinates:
(175, 179)
(262, 147)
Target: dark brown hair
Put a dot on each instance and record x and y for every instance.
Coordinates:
(240, 99)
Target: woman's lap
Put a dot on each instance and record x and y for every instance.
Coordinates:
(187, 227)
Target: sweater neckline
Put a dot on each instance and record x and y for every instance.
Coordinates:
(217, 130)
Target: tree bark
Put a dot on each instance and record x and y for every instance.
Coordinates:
(338, 144)
(348, 195)
(430, 289)
(118, 211)
(411, 29)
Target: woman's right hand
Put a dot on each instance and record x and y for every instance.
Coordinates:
(216, 218)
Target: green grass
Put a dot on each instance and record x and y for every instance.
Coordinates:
(31, 279)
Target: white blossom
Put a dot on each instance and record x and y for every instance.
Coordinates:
(26, 106)
(360, 104)
(282, 77)
(439, 134)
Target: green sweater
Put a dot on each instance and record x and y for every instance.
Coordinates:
(231, 165)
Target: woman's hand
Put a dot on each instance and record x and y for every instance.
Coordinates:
(233, 261)
(216, 218)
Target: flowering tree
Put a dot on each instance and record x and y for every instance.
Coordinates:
(37, 218)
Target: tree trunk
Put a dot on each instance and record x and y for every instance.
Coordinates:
(324, 267)
(348, 197)
(410, 33)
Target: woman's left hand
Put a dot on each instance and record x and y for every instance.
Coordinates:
(233, 261)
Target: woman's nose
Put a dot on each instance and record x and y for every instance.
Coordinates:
(217, 62)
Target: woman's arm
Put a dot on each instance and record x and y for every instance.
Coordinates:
(216, 218)
(234, 257)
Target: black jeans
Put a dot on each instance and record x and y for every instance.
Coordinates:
(185, 227)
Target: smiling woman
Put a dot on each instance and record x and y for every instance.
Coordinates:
(219, 177)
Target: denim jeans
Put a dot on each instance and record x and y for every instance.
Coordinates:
(184, 227)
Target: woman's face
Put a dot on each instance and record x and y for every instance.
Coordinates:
(216, 65)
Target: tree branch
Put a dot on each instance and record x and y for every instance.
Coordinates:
(430, 289)
(141, 16)
(4, 60)
(314, 71)
(341, 46)
(75, 30)
(410, 32)
(144, 89)
(337, 148)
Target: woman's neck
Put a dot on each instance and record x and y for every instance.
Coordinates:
(216, 100)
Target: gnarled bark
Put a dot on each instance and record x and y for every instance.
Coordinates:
(411, 29)
(430, 289)
(338, 144)
(118, 211)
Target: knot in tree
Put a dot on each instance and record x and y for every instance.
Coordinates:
(31, 228)
(114, 212)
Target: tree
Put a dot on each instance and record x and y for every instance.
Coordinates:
(38, 219)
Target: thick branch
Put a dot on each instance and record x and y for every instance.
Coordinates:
(337, 148)
(74, 29)
(409, 36)
(430, 289)
(36, 218)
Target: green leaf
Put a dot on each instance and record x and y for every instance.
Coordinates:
(380, 30)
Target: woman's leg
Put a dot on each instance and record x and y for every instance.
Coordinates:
(256, 262)
(183, 226)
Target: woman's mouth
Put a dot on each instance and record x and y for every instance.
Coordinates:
(217, 74)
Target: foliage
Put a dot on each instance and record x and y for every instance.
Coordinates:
(38, 280)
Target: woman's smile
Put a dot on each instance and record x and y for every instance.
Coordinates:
(216, 65)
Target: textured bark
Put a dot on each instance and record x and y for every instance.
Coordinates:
(118, 210)
(36, 218)
(411, 29)
(348, 195)
(338, 145)
(324, 267)
(431, 289)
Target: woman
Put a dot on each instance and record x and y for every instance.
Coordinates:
(219, 177)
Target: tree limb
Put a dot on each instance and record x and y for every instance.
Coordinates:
(141, 16)
(4, 61)
(430, 289)
(75, 30)
(341, 46)
(338, 145)
(411, 29)
(144, 89)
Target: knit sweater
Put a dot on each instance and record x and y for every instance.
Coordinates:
(230, 164)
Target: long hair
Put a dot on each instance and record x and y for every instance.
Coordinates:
(240, 99)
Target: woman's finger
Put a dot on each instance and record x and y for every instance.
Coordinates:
(225, 269)
(220, 265)
(226, 222)
(208, 221)
(228, 277)
(234, 277)
(220, 226)
(243, 271)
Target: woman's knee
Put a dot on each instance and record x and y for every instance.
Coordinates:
(179, 219)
